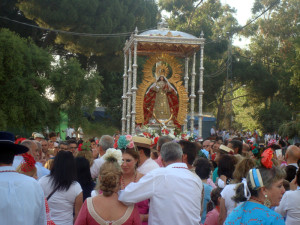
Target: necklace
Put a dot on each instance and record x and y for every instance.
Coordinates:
(180, 167)
(257, 200)
(3, 171)
(123, 183)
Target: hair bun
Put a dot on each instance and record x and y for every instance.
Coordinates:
(109, 181)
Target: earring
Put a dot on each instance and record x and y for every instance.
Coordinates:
(267, 202)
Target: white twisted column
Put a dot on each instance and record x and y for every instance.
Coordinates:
(193, 96)
(186, 85)
(134, 88)
(201, 91)
(129, 93)
(124, 97)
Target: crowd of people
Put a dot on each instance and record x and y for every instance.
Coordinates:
(124, 179)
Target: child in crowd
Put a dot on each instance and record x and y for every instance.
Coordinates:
(213, 207)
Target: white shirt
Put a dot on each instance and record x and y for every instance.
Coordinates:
(71, 132)
(289, 206)
(61, 203)
(95, 168)
(212, 131)
(227, 194)
(174, 193)
(148, 166)
(21, 199)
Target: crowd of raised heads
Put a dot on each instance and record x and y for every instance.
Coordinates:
(124, 179)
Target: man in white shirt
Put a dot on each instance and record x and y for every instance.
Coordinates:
(174, 191)
(105, 143)
(212, 131)
(21, 197)
(71, 132)
(146, 164)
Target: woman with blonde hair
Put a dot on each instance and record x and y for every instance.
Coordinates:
(105, 208)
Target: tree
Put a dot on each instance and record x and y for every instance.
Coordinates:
(274, 45)
(26, 73)
(75, 90)
(272, 116)
(93, 17)
(23, 78)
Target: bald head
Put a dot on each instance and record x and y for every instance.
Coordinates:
(292, 154)
(206, 144)
(33, 148)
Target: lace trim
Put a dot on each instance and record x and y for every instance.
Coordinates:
(101, 221)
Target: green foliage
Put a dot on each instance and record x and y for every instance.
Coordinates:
(290, 129)
(23, 71)
(75, 89)
(244, 113)
(272, 116)
(91, 16)
(25, 75)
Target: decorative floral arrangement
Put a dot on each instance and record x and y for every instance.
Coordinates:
(28, 164)
(266, 158)
(254, 148)
(125, 141)
(271, 142)
(112, 155)
(175, 134)
(85, 146)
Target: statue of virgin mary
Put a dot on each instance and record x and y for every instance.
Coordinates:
(161, 103)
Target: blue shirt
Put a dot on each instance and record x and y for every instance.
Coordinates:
(252, 213)
(21, 199)
(207, 191)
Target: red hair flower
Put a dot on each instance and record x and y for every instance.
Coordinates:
(266, 159)
(19, 140)
(28, 164)
(116, 143)
(79, 147)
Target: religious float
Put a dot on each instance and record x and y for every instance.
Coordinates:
(166, 92)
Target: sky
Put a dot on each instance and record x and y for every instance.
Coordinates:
(243, 8)
(243, 13)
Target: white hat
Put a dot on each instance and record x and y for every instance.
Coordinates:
(38, 135)
(225, 148)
